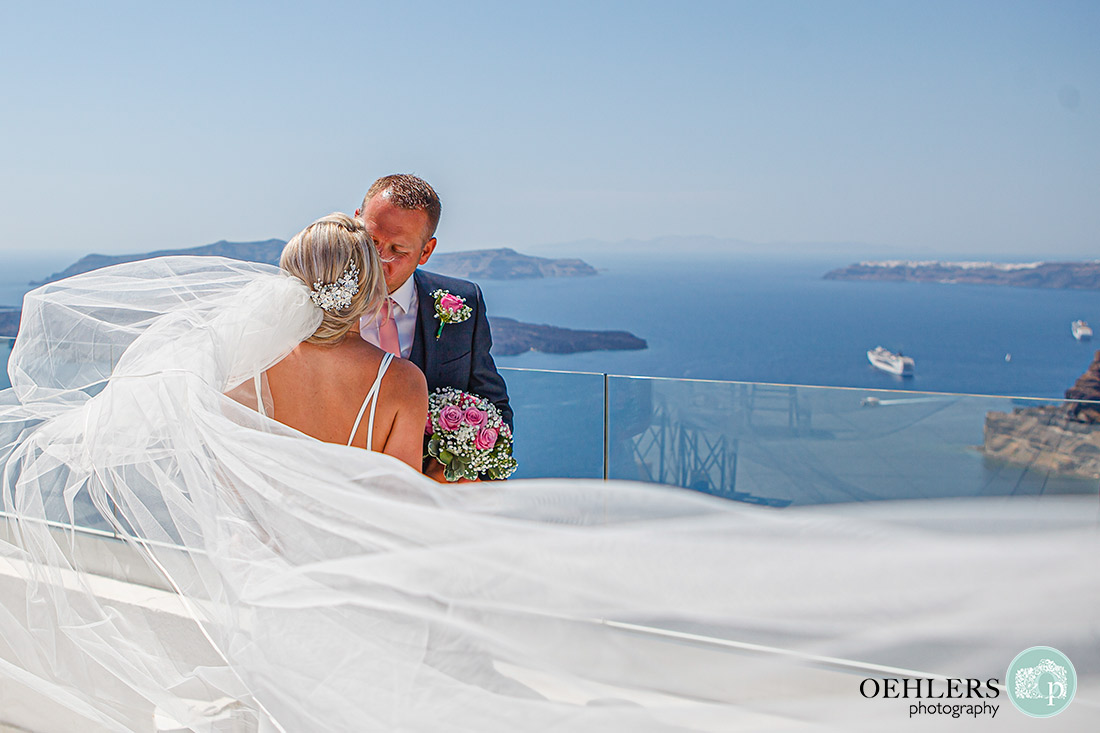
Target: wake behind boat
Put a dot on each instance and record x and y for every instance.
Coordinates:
(1081, 330)
(888, 361)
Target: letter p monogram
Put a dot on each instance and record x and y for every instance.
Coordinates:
(1050, 692)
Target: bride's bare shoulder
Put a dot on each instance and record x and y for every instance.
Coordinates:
(406, 378)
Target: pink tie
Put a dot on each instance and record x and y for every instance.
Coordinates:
(387, 330)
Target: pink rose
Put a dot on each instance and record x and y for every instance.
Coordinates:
(475, 417)
(451, 303)
(429, 428)
(486, 438)
(450, 417)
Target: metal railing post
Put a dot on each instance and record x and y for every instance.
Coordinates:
(606, 428)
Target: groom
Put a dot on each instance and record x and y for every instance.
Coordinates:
(401, 213)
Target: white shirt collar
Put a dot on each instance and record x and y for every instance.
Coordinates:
(404, 295)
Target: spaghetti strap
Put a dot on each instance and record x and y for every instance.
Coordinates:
(372, 400)
(259, 395)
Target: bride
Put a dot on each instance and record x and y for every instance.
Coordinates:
(316, 387)
(188, 542)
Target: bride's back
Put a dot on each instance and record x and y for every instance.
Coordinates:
(320, 387)
(319, 390)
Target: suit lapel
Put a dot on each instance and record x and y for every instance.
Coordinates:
(422, 341)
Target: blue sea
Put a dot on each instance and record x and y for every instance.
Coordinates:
(776, 320)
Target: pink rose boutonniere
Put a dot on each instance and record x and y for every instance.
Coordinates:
(450, 309)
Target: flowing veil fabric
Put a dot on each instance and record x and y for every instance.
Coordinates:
(327, 588)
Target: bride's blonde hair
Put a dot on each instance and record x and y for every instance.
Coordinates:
(323, 252)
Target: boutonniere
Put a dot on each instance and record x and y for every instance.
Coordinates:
(450, 309)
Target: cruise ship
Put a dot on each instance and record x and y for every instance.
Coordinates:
(1081, 330)
(888, 361)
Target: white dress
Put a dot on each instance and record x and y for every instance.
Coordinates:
(337, 589)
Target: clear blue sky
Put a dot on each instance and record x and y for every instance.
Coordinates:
(945, 126)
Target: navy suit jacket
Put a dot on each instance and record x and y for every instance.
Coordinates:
(460, 357)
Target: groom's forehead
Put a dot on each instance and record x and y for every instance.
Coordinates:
(386, 220)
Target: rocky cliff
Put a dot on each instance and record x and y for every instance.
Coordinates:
(1044, 438)
(1087, 387)
(1060, 438)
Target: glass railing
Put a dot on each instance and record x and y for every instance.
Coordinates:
(560, 421)
(783, 445)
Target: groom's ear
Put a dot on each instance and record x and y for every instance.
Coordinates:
(425, 253)
(357, 213)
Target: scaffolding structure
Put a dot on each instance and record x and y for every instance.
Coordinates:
(672, 451)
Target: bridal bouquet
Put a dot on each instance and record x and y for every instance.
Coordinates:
(468, 436)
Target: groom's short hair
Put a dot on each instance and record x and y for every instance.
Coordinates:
(406, 191)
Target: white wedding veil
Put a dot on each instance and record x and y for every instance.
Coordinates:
(230, 571)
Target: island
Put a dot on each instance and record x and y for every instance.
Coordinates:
(1066, 275)
(505, 264)
(266, 251)
(483, 264)
(511, 337)
(9, 321)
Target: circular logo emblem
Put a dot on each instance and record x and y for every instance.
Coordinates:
(1041, 682)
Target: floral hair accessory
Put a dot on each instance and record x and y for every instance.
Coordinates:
(450, 309)
(336, 296)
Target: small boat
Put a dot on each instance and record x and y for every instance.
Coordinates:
(888, 361)
(1081, 330)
